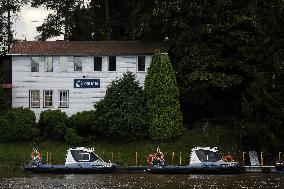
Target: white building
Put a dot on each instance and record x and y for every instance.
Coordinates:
(73, 75)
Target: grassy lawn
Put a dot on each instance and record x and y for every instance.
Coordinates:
(123, 153)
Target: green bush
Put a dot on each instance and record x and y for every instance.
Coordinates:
(72, 137)
(162, 93)
(3, 101)
(82, 122)
(122, 114)
(257, 136)
(52, 123)
(18, 124)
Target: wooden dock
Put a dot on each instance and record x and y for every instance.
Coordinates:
(260, 169)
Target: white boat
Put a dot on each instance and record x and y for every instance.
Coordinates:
(203, 160)
(78, 160)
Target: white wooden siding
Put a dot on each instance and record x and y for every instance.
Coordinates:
(80, 99)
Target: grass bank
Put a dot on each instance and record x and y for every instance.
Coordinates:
(124, 153)
(15, 155)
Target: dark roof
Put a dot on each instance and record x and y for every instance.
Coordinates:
(87, 47)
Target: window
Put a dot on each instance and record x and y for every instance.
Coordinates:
(97, 63)
(63, 98)
(34, 99)
(141, 63)
(85, 157)
(48, 64)
(112, 63)
(63, 64)
(35, 64)
(47, 98)
(77, 63)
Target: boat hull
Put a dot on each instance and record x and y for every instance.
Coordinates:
(188, 169)
(280, 166)
(63, 169)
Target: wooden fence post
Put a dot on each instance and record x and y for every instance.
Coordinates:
(136, 158)
(180, 158)
(244, 158)
(173, 156)
(111, 156)
(261, 158)
(47, 157)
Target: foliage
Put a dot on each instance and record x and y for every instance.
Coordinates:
(18, 124)
(59, 20)
(162, 99)
(95, 20)
(122, 114)
(8, 13)
(257, 136)
(3, 101)
(227, 55)
(83, 123)
(52, 123)
(71, 137)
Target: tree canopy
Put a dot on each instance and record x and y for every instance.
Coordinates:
(165, 118)
(122, 114)
(8, 13)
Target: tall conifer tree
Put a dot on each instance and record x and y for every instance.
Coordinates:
(165, 118)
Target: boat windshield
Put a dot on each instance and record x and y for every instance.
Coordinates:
(84, 156)
(207, 155)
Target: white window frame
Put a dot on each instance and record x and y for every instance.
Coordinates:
(45, 105)
(35, 62)
(34, 98)
(83, 156)
(62, 100)
(75, 62)
(109, 64)
(138, 64)
(48, 64)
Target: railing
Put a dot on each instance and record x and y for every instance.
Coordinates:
(173, 158)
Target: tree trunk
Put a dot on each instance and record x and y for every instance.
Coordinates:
(9, 25)
(66, 28)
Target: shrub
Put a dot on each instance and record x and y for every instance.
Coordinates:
(165, 118)
(82, 122)
(3, 100)
(52, 123)
(256, 136)
(72, 137)
(122, 114)
(18, 124)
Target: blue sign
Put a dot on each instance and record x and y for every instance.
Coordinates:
(86, 83)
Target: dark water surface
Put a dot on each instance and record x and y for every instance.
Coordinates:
(12, 179)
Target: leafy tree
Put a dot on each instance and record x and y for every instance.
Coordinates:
(52, 123)
(8, 12)
(97, 20)
(18, 124)
(228, 57)
(59, 22)
(162, 99)
(122, 114)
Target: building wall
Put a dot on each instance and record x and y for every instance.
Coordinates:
(80, 99)
(6, 76)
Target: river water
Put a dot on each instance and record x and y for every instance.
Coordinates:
(12, 179)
